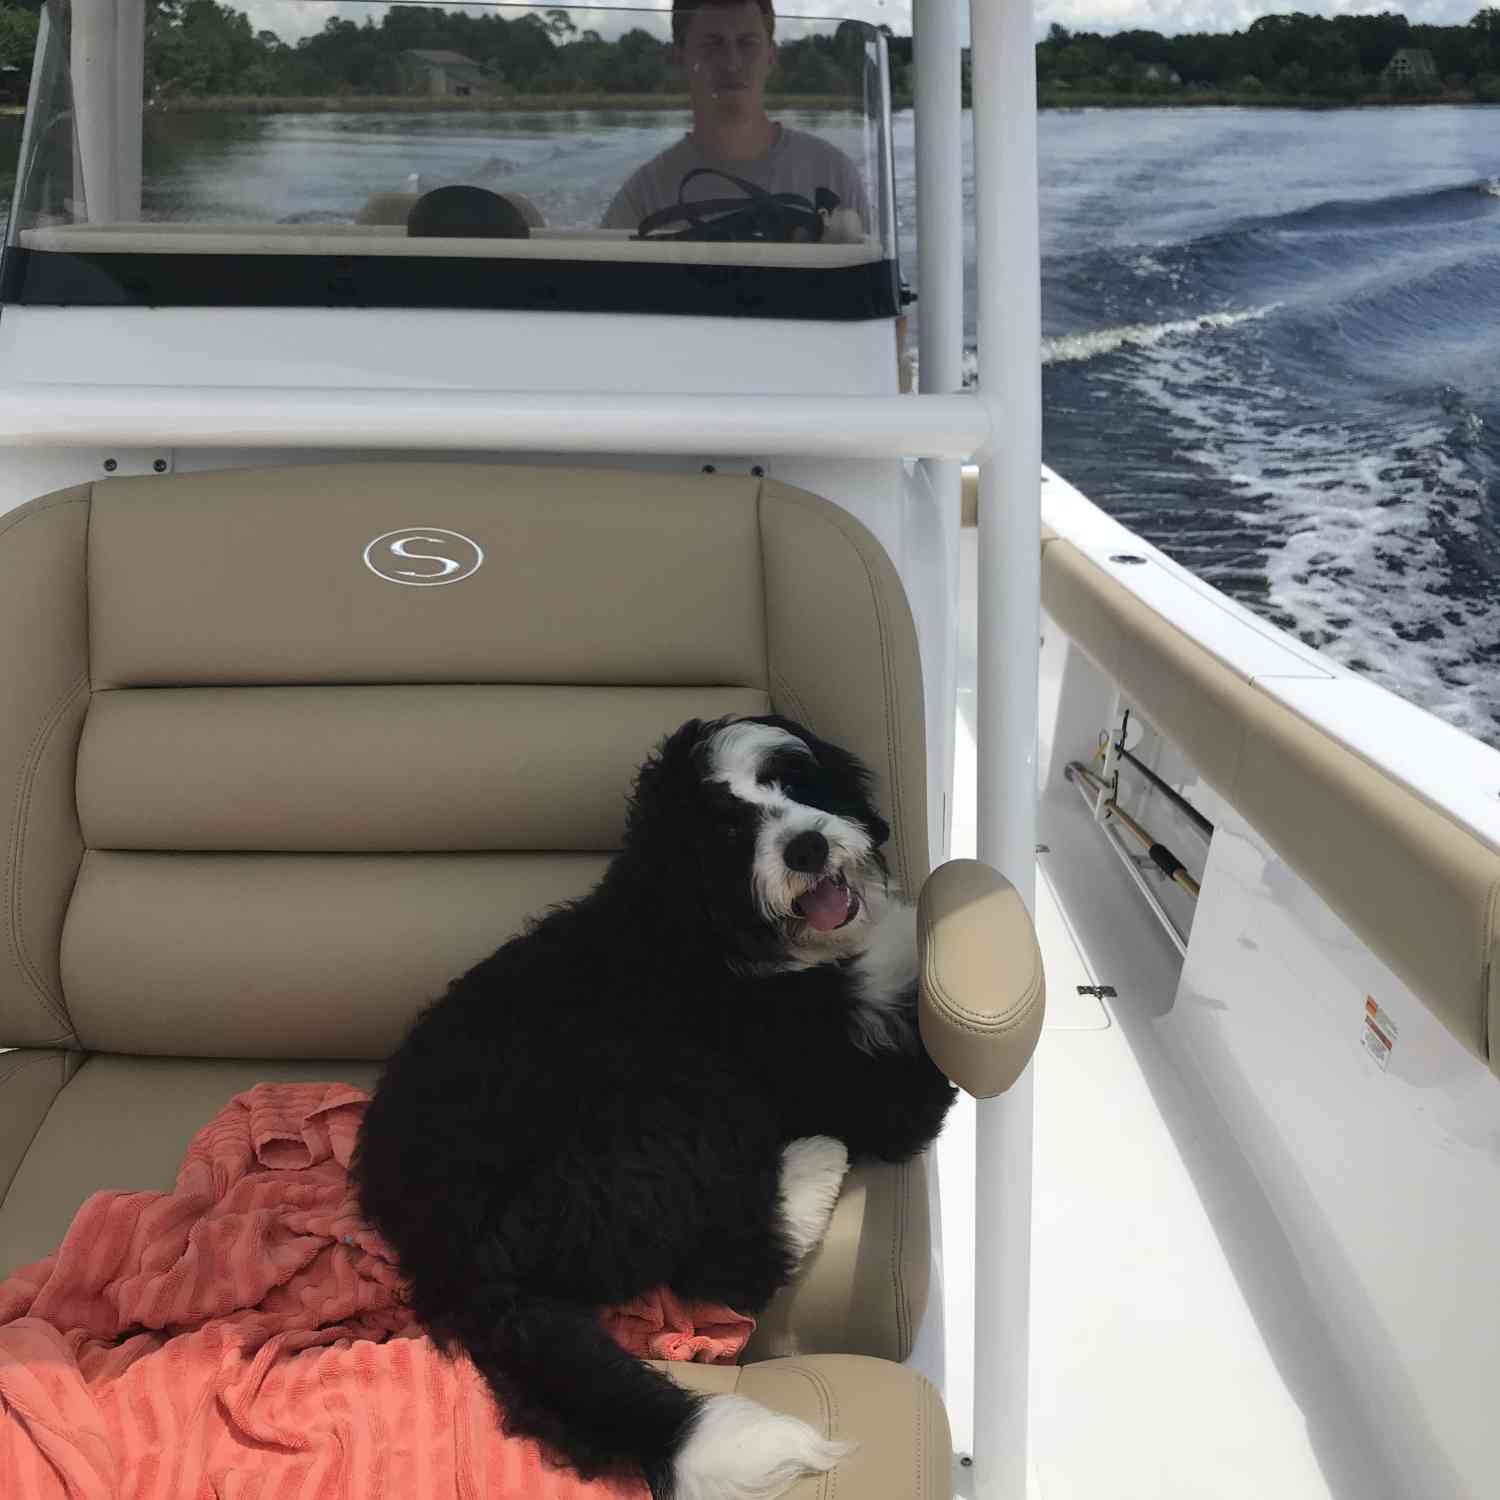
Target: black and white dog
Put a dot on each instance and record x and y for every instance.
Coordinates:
(662, 1084)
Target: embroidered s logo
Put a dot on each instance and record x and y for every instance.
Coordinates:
(423, 557)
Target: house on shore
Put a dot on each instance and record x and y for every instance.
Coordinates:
(1415, 63)
(444, 75)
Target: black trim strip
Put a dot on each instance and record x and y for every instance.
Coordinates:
(52, 278)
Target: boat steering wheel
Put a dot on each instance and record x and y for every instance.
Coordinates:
(786, 218)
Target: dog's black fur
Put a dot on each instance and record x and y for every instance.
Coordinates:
(600, 1108)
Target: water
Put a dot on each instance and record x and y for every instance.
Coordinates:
(1272, 347)
(1271, 337)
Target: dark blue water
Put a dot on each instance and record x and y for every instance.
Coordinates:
(1272, 337)
(1272, 346)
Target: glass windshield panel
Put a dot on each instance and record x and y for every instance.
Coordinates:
(278, 127)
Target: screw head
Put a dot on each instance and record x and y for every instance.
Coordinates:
(110, 465)
(160, 465)
(1126, 557)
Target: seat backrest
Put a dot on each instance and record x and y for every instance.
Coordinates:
(285, 750)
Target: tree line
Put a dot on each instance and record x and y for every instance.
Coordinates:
(1338, 59)
(201, 49)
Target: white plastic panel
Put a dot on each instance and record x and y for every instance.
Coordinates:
(1376, 1139)
(446, 350)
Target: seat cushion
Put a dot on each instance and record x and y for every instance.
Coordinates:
(120, 1122)
(894, 1416)
(73, 1126)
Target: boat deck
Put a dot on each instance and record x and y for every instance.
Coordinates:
(1174, 1348)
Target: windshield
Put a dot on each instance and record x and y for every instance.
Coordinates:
(400, 133)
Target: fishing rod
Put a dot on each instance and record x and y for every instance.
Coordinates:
(1162, 857)
(1172, 795)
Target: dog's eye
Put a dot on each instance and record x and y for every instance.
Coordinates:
(727, 813)
(795, 773)
(804, 785)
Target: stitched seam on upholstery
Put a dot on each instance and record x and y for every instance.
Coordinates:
(40, 507)
(1488, 976)
(960, 1015)
(12, 892)
(899, 1287)
(991, 1028)
(30, 1063)
(920, 1446)
(828, 1399)
(893, 721)
(888, 686)
(888, 673)
(26, 1058)
(765, 586)
(88, 593)
(794, 700)
(979, 1019)
(31, 767)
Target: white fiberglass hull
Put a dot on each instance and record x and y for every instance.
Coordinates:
(1266, 1216)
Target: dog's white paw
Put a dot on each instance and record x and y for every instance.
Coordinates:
(812, 1171)
(740, 1450)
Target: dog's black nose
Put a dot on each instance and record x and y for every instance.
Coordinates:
(807, 853)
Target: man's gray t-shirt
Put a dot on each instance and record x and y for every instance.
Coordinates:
(797, 163)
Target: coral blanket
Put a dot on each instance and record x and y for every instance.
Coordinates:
(244, 1336)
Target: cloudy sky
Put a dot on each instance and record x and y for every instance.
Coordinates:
(1173, 16)
(290, 19)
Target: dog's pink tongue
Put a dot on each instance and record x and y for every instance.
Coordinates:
(825, 905)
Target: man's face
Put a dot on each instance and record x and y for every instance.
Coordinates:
(728, 56)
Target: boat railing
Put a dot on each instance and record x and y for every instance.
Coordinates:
(932, 426)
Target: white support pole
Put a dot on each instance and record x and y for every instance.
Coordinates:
(95, 62)
(1009, 328)
(130, 71)
(940, 297)
(940, 207)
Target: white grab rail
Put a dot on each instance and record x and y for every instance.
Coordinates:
(951, 427)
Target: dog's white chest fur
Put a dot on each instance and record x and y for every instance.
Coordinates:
(884, 975)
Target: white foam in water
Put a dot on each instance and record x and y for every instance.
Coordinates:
(1076, 346)
(1353, 518)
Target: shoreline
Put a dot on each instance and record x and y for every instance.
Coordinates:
(1048, 101)
(473, 104)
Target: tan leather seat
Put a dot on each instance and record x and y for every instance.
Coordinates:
(285, 750)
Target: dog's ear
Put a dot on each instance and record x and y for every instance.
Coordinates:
(671, 773)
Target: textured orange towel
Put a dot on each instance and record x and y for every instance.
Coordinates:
(244, 1337)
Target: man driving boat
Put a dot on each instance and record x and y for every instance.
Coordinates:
(727, 48)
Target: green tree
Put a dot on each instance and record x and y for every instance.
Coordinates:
(18, 29)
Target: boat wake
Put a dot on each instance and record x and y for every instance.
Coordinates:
(1305, 409)
(1079, 346)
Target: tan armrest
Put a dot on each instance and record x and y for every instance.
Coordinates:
(983, 992)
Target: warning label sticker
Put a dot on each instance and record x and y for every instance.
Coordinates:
(1379, 1033)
